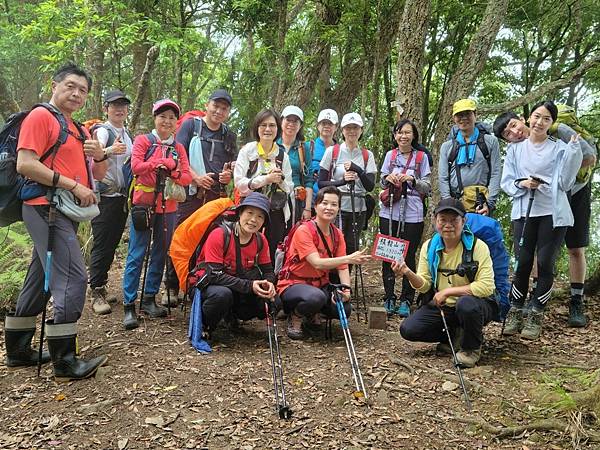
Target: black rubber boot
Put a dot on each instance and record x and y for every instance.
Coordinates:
(62, 342)
(130, 320)
(150, 307)
(18, 333)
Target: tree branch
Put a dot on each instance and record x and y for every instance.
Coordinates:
(151, 58)
(566, 79)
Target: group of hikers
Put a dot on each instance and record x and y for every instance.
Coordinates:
(314, 191)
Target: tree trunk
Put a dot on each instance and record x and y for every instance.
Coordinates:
(140, 100)
(301, 89)
(141, 51)
(280, 54)
(411, 59)
(463, 79)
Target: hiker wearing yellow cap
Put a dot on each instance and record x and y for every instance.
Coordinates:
(469, 165)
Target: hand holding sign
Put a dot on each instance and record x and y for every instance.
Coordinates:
(389, 249)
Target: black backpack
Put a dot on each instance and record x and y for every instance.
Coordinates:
(483, 130)
(12, 182)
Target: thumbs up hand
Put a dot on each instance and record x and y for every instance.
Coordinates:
(118, 147)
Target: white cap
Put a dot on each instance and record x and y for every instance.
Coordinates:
(292, 110)
(328, 114)
(352, 118)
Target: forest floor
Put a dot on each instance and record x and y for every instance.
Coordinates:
(157, 392)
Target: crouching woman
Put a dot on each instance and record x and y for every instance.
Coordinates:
(234, 270)
(317, 247)
(460, 287)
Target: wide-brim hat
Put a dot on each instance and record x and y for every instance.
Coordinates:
(257, 200)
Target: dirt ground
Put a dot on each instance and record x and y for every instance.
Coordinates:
(157, 392)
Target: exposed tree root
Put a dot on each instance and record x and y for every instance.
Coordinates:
(502, 432)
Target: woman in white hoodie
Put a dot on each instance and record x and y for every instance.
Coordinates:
(538, 174)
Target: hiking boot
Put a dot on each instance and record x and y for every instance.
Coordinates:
(150, 307)
(110, 299)
(62, 340)
(390, 304)
(514, 321)
(533, 325)
(18, 334)
(312, 323)
(172, 294)
(130, 320)
(294, 327)
(99, 304)
(403, 310)
(443, 348)
(527, 307)
(468, 358)
(577, 317)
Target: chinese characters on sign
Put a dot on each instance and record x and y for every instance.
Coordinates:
(389, 248)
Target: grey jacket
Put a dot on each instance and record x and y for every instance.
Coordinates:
(475, 174)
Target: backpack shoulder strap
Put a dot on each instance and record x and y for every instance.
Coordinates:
(63, 133)
(419, 160)
(467, 259)
(198, 127)
(486, 154)
(365, 155)
(334, 157)
(151, 148)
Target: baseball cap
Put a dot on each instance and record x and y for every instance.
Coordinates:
(328, 114)
(113, 96)
(464, 104)
(450, 204)
(352, 118)
(164, 104)
(221, 94)
(292, 110)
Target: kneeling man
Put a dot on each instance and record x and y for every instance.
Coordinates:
(455, 271)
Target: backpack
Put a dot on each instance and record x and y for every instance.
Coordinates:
(283, 262)
(336, 153)
(252, 165)
(567, 116)
(490, 232)
(11, 182)
(128, 176)
(94, 124)
(483, 130)
(188, 115)
(384, 196)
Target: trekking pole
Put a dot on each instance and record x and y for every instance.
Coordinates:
(402, 212)
(151, 230)
(281, 405)
(390, 303)
(356, 373)
(163, 207)
(358, 275)
(47, 273)
(456, 364)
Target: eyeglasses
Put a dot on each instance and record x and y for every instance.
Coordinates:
(444, 221)
(264, 126)
(404, 133)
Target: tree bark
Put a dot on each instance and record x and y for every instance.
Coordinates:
(411, 59)
(151, 57)
(301, 89)
(463, 79)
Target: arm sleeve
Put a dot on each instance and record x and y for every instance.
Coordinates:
(483, 286)
(570, 167)
(509, 174)
(325, 179)
(443, 174)
(423, 178)
(182, 174)
(138, 165)
(495, 176)
(423, 269)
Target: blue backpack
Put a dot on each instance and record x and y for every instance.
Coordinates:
(490, 232)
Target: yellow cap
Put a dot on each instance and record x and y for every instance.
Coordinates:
(464, 104)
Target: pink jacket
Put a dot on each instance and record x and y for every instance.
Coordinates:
(145, 171)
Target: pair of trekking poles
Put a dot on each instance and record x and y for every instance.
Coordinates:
(281, 405)
(358, 273)
(390, 303)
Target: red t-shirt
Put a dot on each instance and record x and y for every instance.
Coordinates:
(303, 244)
(213, 252)
(39, 132)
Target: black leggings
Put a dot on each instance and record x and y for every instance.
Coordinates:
(347, 230)
(275, 231)
(544, 240)
(412, 233)
(306, 301)
(218, 301)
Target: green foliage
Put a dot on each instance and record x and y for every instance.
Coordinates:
(15, 254)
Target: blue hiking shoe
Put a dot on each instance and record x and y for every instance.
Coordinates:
(390, 304)
(404, 309)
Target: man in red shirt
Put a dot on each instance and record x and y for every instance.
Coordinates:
(68, 169)
(317, 248)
